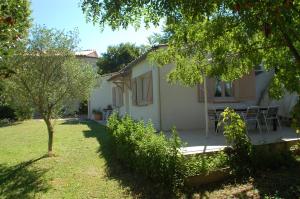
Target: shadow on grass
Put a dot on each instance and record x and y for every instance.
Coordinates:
(6, 124)
(138, 185)
(21, 180)
(280, 183)
(277, 183)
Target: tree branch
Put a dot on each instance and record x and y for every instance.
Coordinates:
(291, 46)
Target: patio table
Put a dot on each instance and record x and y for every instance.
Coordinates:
(243, 110)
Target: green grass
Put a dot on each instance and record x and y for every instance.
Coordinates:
(78, 171)
(85, 168)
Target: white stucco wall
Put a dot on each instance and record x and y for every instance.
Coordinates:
(285, 104)
(262, 81)
(179, 105)
(101, 95)
(149, 112)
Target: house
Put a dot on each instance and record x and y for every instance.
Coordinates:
(142, 91)
(91, 57)
(101, 96)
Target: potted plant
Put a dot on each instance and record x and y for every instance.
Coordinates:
(97, 114)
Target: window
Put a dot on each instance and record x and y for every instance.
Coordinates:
(144, 82)
(117, 95)
(228, 89)
(142, 90)
(223, 89)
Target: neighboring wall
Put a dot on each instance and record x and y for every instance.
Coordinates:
(90, 60)
(76, 104)
(101, 95)
(147, 112)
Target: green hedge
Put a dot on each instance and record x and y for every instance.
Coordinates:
(153, 155)
(146, 152)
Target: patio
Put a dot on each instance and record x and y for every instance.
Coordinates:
(197, 142)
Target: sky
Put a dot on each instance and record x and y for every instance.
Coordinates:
(67, 15)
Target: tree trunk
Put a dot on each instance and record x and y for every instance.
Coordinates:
(50, 137)
(288, 40)
(292, 48)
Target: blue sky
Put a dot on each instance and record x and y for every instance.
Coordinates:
(67, 15)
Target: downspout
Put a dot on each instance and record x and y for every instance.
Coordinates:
(159, 101)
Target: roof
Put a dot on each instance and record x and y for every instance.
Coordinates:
(87, 53)
(109, 74)
(127, 68)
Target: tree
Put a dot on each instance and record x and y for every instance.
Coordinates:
(159, 38)
(118, 56)
(268, 27)
(14, 24)
(48, 76)
(236, 34)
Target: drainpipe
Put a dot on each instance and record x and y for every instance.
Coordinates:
(159, 100)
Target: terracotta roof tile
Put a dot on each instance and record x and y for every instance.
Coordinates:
(87, 53)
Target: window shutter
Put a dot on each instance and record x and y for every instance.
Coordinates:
(121, 96)
(145, 89)
(149, 88)
(114, 96)
(210, 84)
(236, 88)
(200, 89)
(134, 91)
(139, 91)
(211, 87)
(245, 87)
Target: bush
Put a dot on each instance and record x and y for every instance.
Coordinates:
(244, 158)
(83, 108)
(235, 134)
(24, 113)
(15, 113)
(153, 155)
(7, 112)
(205, 163)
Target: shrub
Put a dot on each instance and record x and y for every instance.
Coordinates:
(24, 113)
(138, 147)
(15, 113)
(205, 163)
(142, 150)
(83, 107)
(235, 134)
(7, 112)
(243, 156)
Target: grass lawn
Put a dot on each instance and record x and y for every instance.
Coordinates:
(79, 170)
(84, 168)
